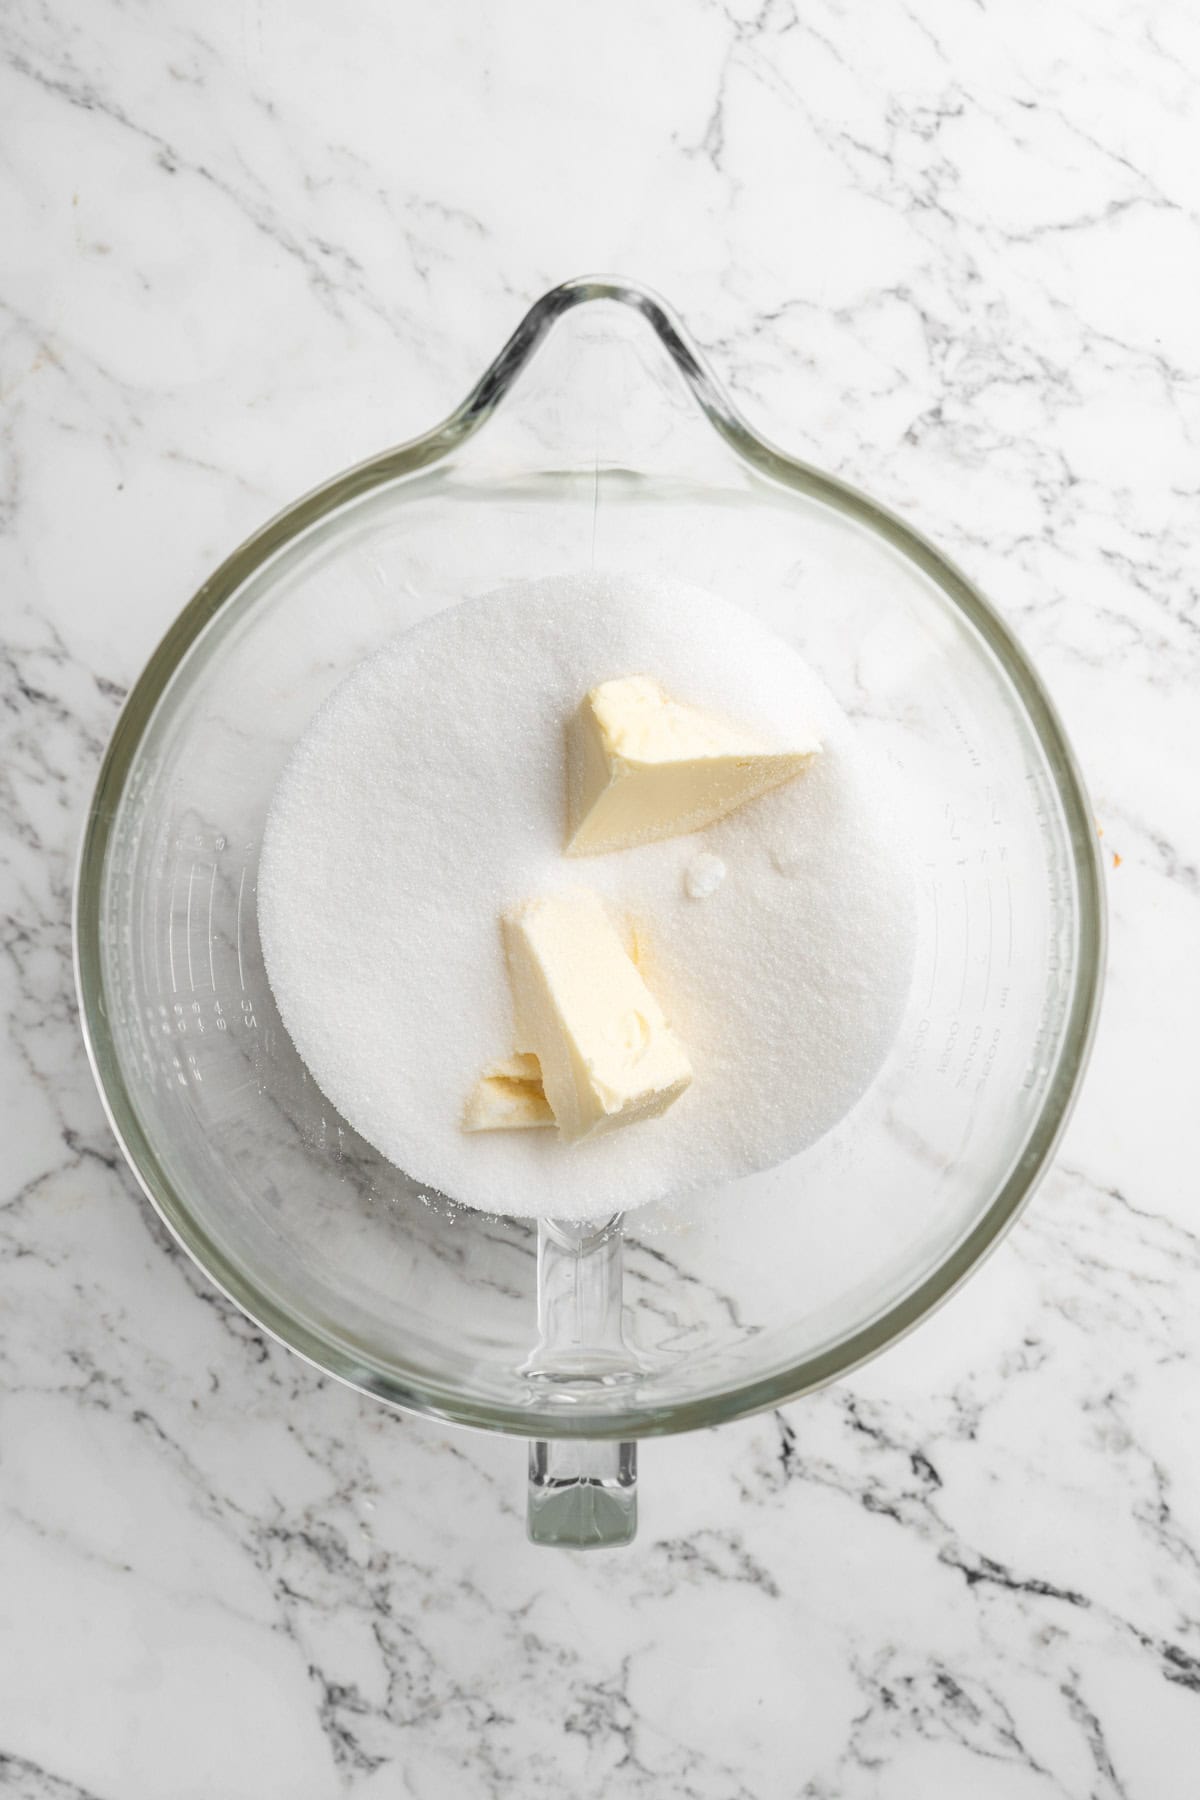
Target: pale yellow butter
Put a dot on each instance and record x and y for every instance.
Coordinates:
(641, 766)
(607, 1055)
(508, 1097)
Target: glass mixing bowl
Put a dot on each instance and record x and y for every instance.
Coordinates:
(596, 438)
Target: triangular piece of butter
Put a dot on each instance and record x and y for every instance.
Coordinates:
(641, 766)
(607, 1055)
(508, 1097)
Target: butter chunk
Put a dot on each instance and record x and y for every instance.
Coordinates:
(607, 1054)
(641, 766)
(508, 1097)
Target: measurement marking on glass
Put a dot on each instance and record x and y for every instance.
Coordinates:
(171, 929)
(241, 890)
(962, 992)
(987, 977)
(595, 505)
(1008, 896)
(188, 939)
(155, 986)
(212, 973)
(145, 948)
(933, 968)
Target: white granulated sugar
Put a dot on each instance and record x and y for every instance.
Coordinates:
(428, 794)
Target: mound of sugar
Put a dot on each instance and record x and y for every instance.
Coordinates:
(429, 793)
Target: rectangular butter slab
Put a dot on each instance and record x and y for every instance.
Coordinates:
(607, 1055)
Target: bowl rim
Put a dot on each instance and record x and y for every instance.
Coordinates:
(420, 1391)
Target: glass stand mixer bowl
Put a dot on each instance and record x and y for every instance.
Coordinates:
(596, 439)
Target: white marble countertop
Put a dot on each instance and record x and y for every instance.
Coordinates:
(950, 252)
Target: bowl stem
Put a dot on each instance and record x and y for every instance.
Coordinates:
(582, 1494)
